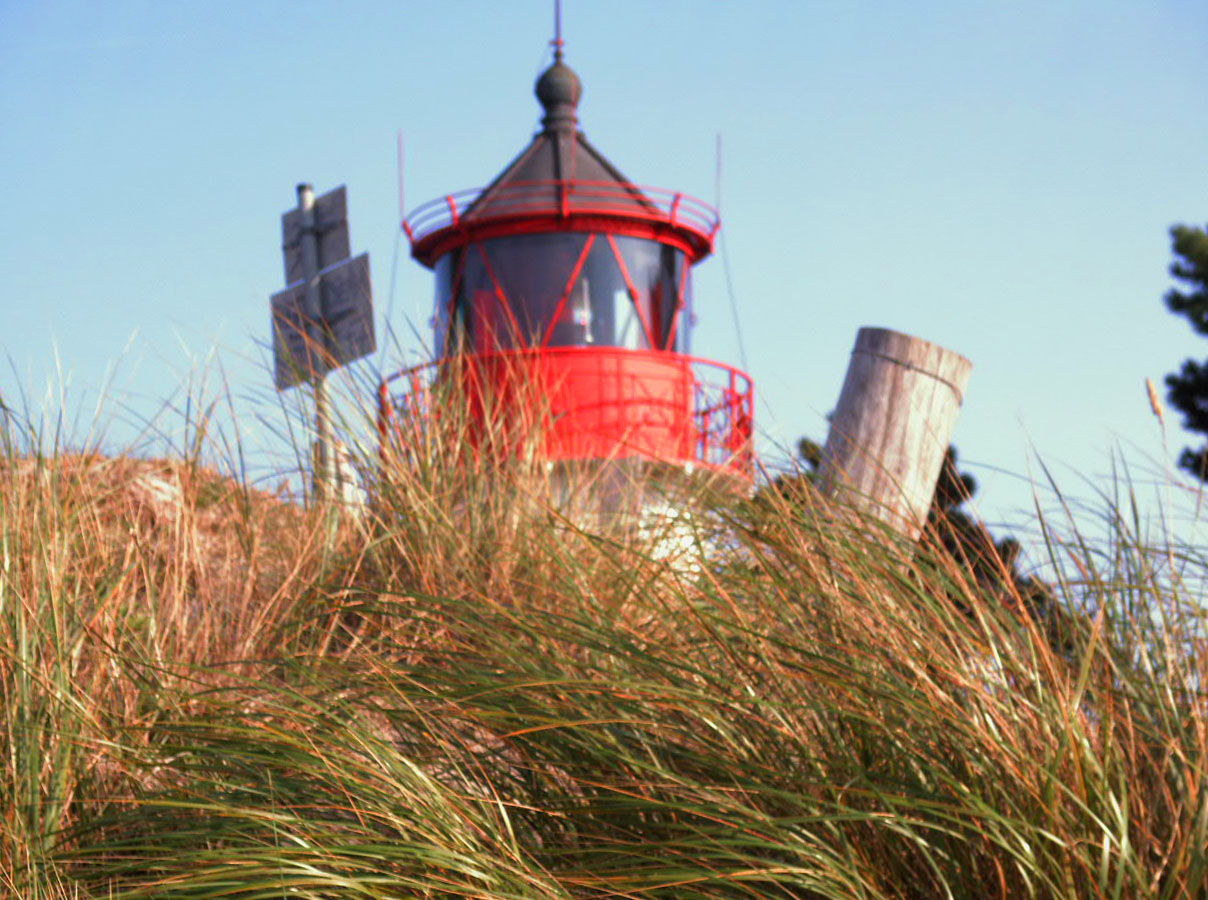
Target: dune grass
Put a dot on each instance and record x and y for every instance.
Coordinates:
(470, 692)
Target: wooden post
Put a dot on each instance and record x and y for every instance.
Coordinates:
(888, 436)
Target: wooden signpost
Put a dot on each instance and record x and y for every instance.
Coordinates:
(324, 317)
(895, 416)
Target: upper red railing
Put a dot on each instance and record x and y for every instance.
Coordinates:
(565, 199)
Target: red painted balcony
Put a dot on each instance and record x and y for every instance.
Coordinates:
(589, 403)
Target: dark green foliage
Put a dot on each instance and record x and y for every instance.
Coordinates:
(967, 539)
(1187, 389)
(810, 453)
(993, 565)
(1191, 246)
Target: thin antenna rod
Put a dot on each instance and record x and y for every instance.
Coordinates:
(402, 207)
(557, 41)
(725, 262)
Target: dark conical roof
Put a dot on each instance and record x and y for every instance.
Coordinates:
(559, 171)
(560, 182)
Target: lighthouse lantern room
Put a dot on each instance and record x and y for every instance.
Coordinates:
(564, 277)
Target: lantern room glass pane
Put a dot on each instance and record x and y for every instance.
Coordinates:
(532, 271)
(483, 322)
(656, 272)
(446, 272)
(687, 315)
(585, 320)
(510, 294)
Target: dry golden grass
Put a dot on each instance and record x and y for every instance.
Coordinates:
(209, 691)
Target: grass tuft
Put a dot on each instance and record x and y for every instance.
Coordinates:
(485, 686)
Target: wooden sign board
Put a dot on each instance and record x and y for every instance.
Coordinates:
(304, 350)
(331, 231)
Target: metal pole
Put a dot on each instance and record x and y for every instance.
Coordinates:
(324, 457)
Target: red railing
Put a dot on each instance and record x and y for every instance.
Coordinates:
(531, 198)
(597, 403)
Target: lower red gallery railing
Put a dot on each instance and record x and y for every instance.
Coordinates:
(585, 403)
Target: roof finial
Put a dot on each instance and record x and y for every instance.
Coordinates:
(557, 41)
(558, 88)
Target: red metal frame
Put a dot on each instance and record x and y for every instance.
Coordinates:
(679, 306)
(672, 218)
(603, 402)
(633, 294)
(516, 334)
(570, 286)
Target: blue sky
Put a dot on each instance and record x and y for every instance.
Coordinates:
(995, 177)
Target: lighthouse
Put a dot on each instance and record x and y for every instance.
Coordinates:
(563, 291)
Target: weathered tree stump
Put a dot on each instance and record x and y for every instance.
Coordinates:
(888, 436)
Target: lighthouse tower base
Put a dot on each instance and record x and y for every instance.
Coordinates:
(667, 508)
